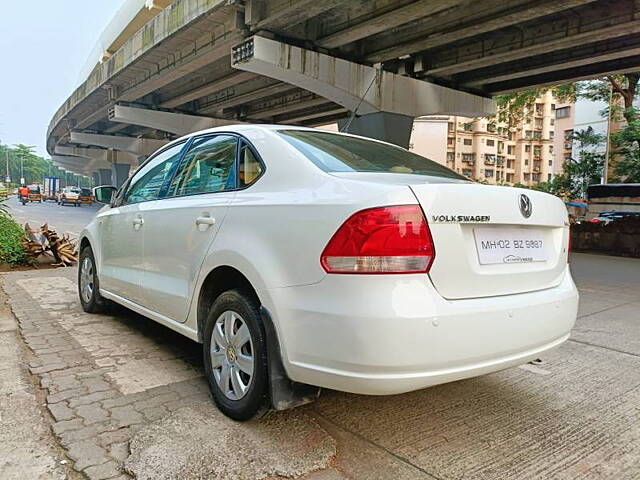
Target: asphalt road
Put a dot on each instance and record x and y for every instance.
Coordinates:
(127, 393)
(62, 219)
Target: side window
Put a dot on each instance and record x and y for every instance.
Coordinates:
(208, 167)
(250, 167)
(147, 183)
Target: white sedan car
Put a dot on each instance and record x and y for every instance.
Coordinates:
(304, 259)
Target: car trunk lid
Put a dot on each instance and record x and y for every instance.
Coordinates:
(485, 245)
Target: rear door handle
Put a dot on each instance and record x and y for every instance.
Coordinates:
(205, 221)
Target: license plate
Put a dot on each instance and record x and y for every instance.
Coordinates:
(509, 245)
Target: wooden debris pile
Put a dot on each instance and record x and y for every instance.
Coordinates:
(44, 241)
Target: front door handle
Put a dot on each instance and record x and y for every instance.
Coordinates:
(205, 221)
(137, 222)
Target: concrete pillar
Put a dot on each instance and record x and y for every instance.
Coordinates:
(386, 126)
(119, 173)
(105, 176)
(96, 179)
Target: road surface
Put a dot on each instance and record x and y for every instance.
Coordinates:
(62, 219)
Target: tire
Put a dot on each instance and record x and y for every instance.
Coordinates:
(92, 302)
(242, 310)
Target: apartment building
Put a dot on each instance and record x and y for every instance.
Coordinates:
(491, 152)
(563, 142)
(487, 151)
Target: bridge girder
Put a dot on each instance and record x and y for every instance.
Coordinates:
(354, 86)
(177, 123)
(136, 146)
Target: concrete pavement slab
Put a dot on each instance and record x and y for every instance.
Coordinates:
(200, 442)
(512, 424)
(615, 328)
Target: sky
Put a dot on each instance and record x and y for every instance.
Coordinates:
(44, 45)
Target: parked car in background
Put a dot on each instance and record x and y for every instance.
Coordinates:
(609, 217)
(304, 259)
(69, 195)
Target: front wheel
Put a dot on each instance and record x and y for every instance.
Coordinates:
(88, 285)
(235, 357)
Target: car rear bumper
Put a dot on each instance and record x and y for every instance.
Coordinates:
(391, 334)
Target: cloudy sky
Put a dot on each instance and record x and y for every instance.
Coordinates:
(44, 45)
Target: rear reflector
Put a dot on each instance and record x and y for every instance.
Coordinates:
(381, 240)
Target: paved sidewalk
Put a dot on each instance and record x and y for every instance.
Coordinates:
(127, 397)
(28, 448)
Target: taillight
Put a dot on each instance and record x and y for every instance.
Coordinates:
(381, 240)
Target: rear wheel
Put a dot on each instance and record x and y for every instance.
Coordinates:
(88, 285)
(235, 356)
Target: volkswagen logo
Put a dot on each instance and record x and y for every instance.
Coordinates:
(525, 205)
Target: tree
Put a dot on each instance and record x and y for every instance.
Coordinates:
(613, 90)
(619, 92)
(588, 167)
(627, 147)
(34, 166)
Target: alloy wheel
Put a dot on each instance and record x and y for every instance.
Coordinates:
(86, 279)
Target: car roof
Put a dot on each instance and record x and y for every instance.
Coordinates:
(244, 128)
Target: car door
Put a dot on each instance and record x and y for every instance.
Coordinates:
(122, 227)
(180, 227)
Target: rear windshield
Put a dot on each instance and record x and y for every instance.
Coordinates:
(341, 153)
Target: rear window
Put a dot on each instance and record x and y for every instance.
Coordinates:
(340, 153)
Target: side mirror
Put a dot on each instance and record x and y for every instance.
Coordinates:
(104, 194)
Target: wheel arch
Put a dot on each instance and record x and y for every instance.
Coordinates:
(85, 242)
(217, 281)
(283, 392)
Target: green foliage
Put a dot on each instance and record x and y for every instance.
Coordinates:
(34, 166)
(4, 211)
(626, 143)
(617, 91)
(11, 249)
(587, 168)
(628, 167)
(513, 107)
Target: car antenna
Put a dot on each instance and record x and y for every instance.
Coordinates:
(345, 128)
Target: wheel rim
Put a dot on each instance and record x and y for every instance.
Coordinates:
(232, 355)
(86, 279)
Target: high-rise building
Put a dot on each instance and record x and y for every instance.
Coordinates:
(489, 151)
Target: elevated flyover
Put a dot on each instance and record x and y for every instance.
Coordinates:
(175, 67)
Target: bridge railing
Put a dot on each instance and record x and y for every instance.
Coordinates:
(176, 16)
